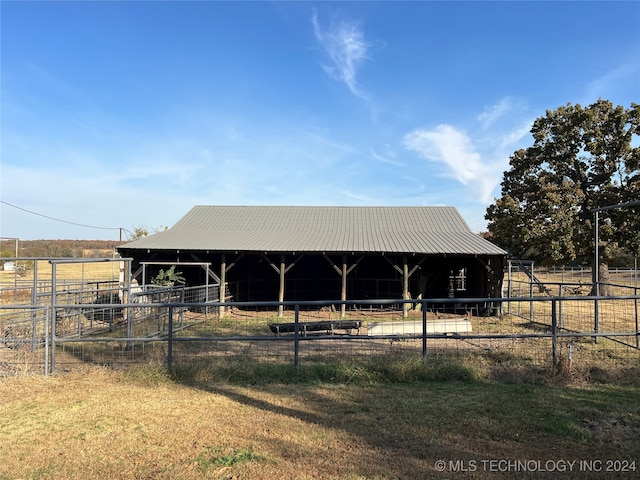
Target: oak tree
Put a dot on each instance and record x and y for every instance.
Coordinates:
(582, 159)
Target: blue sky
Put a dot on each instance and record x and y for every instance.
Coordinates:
(127, 114)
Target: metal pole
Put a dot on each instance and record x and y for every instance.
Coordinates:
(34, 300)
(596, 277)
(47, 316)
(54, 316)
(554, 338)
(635, 307)
(509, 287)
(170, 340)
(531, 294)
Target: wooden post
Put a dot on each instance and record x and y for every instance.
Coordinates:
(223, 280)
(343, 294)
(281, 294)
(405, 286)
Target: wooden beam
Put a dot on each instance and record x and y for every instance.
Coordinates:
(396, 267)
(273, 265)
(416, 266)
(335, 267)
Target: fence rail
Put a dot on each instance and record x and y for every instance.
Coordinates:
(540, 330)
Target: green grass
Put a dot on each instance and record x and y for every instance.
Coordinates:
(357, 370)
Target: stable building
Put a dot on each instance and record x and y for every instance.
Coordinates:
(299, 253)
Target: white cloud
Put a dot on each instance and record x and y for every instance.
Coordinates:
(477, 159)
(344, 44)
(445, 144)
(493, 113)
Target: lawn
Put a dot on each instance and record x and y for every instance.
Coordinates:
(340, 421)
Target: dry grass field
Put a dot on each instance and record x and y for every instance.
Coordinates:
(149, 424)
(71, 271)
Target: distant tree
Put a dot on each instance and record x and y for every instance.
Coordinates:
(140, 232)
(582, 158)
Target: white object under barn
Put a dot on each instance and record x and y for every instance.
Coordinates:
(445, 325)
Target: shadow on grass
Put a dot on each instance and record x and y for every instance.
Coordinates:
(406, 414)
(371, 400)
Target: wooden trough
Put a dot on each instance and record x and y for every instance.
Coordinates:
(328, 327)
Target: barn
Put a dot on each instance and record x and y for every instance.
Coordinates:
(299, 253)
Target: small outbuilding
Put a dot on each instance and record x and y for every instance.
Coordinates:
(276, 253)
(9, 266)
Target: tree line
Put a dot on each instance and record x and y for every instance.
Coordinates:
(59, 248)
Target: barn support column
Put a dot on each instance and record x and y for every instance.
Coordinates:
(406, 274)
(281, 292)
(343, 272)
(281, 270)
(223, 281)
(343, 290)
(405, 286)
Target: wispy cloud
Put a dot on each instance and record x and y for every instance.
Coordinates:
(513, 137)
(620, 79)
(346, 48)
(492, 113)
(364, 199)
(386, 159)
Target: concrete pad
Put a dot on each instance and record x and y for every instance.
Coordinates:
(444, 325)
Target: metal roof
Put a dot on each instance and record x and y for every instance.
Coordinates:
(407, 230)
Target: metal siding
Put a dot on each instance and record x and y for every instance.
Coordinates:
(425, 230)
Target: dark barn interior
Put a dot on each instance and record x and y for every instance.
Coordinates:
(324, 253)
(252, 277)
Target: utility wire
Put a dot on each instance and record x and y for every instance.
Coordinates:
(57, 219)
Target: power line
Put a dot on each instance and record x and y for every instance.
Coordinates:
(57, 219)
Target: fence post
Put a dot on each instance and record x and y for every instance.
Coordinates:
(424, 331)
(531, 301)
(635, 308)
(170, 338)
(54, 317)
(554, 332)
(596, 314)
(560, 307)
(296, 333)
(47, 316)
